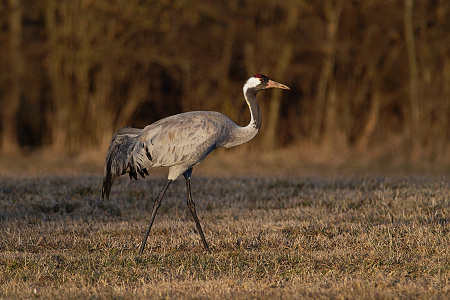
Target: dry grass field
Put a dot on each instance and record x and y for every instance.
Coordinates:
(353, 237)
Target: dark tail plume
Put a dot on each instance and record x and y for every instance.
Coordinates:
(118, 158)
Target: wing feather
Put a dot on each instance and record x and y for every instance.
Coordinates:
(180, 139)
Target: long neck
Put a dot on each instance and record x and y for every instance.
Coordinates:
(240, 135)
(255, 113)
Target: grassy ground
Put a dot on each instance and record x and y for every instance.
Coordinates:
(371, 237)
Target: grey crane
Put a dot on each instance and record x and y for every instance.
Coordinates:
(180, 142)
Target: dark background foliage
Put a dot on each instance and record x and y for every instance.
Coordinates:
(361, 73)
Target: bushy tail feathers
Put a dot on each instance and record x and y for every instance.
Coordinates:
(120, 158)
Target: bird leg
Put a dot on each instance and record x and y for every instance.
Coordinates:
(156, 205)
(191, 206)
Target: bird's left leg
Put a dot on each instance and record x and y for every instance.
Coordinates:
(156, 205)
(191, 206)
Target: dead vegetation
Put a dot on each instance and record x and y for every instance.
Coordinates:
(371, 237)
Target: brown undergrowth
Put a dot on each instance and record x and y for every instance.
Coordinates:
(368, 237)
(298, 160)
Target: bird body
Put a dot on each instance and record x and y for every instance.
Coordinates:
(180, 142)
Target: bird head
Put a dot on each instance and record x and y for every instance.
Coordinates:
(260, 82)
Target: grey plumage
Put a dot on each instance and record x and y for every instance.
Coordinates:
(180, 142)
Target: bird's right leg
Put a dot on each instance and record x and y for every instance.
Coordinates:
(156, 205)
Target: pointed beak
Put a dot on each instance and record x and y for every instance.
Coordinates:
(274, 84)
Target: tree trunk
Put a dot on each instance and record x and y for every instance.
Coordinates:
(444, 136)
(273, 113)
(414, 119)
(282, 66)
(11, 106)
(58, 114)
(333, 13)
(221, 73)
(372, 121)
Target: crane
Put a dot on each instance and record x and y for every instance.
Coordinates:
(180, 142)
